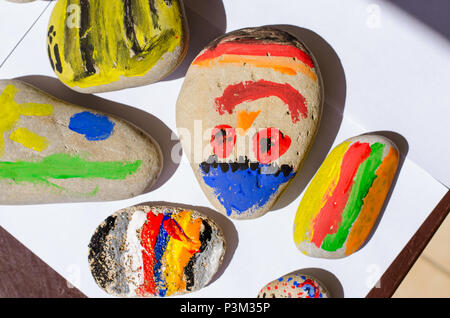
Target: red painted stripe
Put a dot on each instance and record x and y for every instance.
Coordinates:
(328, 219)
(149, 236)
(236, 94)
(258, 49)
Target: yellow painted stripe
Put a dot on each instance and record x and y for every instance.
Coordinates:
(320, 189)
(178, 253)
(29, 139)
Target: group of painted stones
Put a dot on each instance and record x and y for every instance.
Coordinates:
(257, 93)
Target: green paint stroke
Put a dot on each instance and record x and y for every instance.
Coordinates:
(65, 166)
(363, 182)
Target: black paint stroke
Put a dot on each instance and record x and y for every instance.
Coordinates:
(243, 163)
(86, 47)
(205, 238)
(97, 253)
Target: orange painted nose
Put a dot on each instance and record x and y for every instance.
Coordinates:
(245, 120)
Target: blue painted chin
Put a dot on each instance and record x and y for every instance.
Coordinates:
(243, 188)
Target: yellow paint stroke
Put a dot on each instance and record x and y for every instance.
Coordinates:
(103, 38)
(245, 120)
(178, 253)
(10, 112)
(373, 202)
(320, 189)
(285, 65)
(29, 139)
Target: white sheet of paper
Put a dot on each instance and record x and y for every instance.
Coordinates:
(16, 20)
(263, 249)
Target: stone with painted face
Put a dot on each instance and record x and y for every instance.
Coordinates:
(342, 202)
(100, 46)
(294, 285)
(155, 251)
(52, 151)
(247, 114)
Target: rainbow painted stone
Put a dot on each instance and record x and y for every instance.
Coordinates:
(53, 151)
(247, 114)
(342, 202)
(155, 251)
(294, 285)
(98, 46)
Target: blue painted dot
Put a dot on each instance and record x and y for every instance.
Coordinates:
(92, 126)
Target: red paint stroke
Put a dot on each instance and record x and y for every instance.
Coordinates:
(269, 144)
(223, 139)
(149, 236)
(256, 49)
(175, 230)
(236, 94)
(328, 219)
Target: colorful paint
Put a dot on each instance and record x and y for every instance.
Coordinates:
(294, 286)
(99, 42)
(243, 186)
(344, 199)
(267, 67)
(10, 113)
(164, 252)
(92, 126)
(286, 59)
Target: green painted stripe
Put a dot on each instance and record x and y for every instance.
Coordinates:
(65, 166)
(363, 181)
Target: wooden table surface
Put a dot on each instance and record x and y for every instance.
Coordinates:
(23, 274)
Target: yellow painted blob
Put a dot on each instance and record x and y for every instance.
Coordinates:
(10, 112)
(93, 43)
(320, 189)
(29, 139)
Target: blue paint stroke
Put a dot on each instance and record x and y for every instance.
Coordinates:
(92, 126)
(160, 247)
(242, 190)
(310, 290)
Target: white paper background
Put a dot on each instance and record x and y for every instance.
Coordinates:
(383, 82)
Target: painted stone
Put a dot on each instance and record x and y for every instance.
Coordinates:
(294, 285)
(53, 151)
(99, 46)
(343, 201)
(155, 251)
(247, 114)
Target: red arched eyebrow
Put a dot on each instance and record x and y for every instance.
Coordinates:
(236, 94)
(257, 49)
